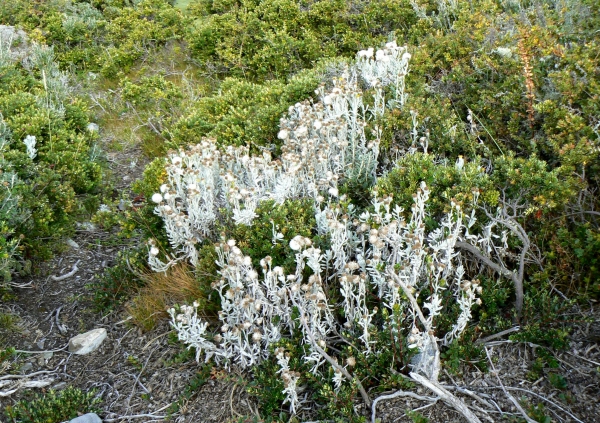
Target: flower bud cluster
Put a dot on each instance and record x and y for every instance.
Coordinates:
(290, 379)
(388, 66)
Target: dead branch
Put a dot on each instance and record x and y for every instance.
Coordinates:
(446, 396)
(66, 275)
(396, 395)
(498, 335)
(510, 397)
(41, 372)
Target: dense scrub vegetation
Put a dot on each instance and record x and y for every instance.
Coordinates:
(48, 156)
(502, 105)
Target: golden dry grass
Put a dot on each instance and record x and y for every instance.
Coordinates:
(162, 290)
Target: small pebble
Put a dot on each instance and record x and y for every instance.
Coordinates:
(26, 367)
(87, 418)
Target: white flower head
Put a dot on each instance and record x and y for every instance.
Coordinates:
(295, 244)
(283, 134)
(29, 142)
(157, 198)
(504, 52)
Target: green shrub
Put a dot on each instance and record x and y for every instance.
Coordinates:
(53, 407)
(44, 185)
(107, 36)
(244, 113)
(118, 282)
(275, 38)
(293, 217)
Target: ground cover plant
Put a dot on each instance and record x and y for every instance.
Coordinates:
(344, 199)
(98, 36)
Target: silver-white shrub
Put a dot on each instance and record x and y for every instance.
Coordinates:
(323, 143)
(374, 251)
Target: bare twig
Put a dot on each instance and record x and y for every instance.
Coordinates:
(138, 377)
(233, 412)
(139, 416)
(66, 275)
(510, 397)
(510, 388)
(20, 285)
(42, 352)
(41, 372)
(136, 416)
(396, 395)
(583, 358)
(447, 397)
(469, 393)
(498, 335)
(61, 328)
(516, 278)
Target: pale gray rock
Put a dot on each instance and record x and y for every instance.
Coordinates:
(87, 342)
(72, 244)
(87, 418)
(26, 367)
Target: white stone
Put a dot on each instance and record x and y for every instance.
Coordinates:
(72, 244)
(87, 342)
(87, 418)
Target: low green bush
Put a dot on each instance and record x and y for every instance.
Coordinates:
(244, 113)
(107, 36)
(272, 39)
(53, 407)
(51, 172)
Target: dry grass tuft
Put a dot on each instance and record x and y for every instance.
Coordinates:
(161, 291)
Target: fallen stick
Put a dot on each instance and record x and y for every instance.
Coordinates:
(41, 372)
(66, 275)
(396, 395)
(447, 397)
(497, 335)
(510, 397)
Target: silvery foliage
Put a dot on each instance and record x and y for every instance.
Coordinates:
(13, 44)
(55, 82)
(81, 14)
(30, 142)
(367, 249)
(323, 143)
(372, 252)
(15, 48)
(10, 212)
